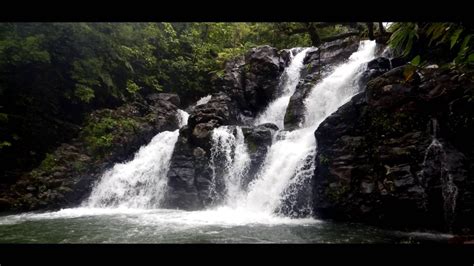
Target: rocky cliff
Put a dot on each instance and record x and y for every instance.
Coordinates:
(400, 154)
(248, 85)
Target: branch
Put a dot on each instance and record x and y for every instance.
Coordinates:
(290, 31)
(295, 31)
(340, 36)
(329, 24)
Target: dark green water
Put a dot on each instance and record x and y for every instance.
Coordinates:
(83, 225)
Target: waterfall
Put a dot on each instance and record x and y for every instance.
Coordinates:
(141, 182)
(182, 118)
(234, 160)
(203, 100)
(290, 160)
(275, 111)
(288, 165)
(436, 157)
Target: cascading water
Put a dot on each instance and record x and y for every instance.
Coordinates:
(275, 112)
(234, 160)
(436, 158)
(289, 162)
(233, 148)
(141, 182)
(290, 159)
(247, 213)
(182, 118)
(203, 100)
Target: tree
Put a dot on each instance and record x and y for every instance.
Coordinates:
(321, 32)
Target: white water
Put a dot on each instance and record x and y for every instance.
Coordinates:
(233, 150)
(203, 100)
(133, 188)
(183, 118)
(141, 182)
(435, 153)
(275, 112)
(287, 160)
(175, 219)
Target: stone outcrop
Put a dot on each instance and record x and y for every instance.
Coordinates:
(248, 85)
(252, 80)
(400, 154)
(190, 176)
(258, 140)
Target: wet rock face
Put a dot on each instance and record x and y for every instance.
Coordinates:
(190, 175)
(261, 77)
(378, 161)
(220, 110)
(252, 80)
(258, 140)
(249, 83)
(67, 175)
(182, 192)
(375, 68)
(317, 62)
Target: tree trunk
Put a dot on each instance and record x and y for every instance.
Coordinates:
(370, 28)
(313, 34)
(381, 29)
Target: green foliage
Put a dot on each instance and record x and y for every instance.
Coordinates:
(106, 62)
(84, 93)
(132, 87)
(415, 61)
(464, 50)
(451, 35)
(470, 58)
(411, 68)
(403, 37)
(454, 38)
(17, 50)
(49, 162)
(99, 135)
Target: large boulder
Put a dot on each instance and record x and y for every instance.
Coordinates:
(258, 139)
(220, 110)
(66, 176)
(182, 191)
(375, 68)
(252, 80)
(190, 176)
(400, 154)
